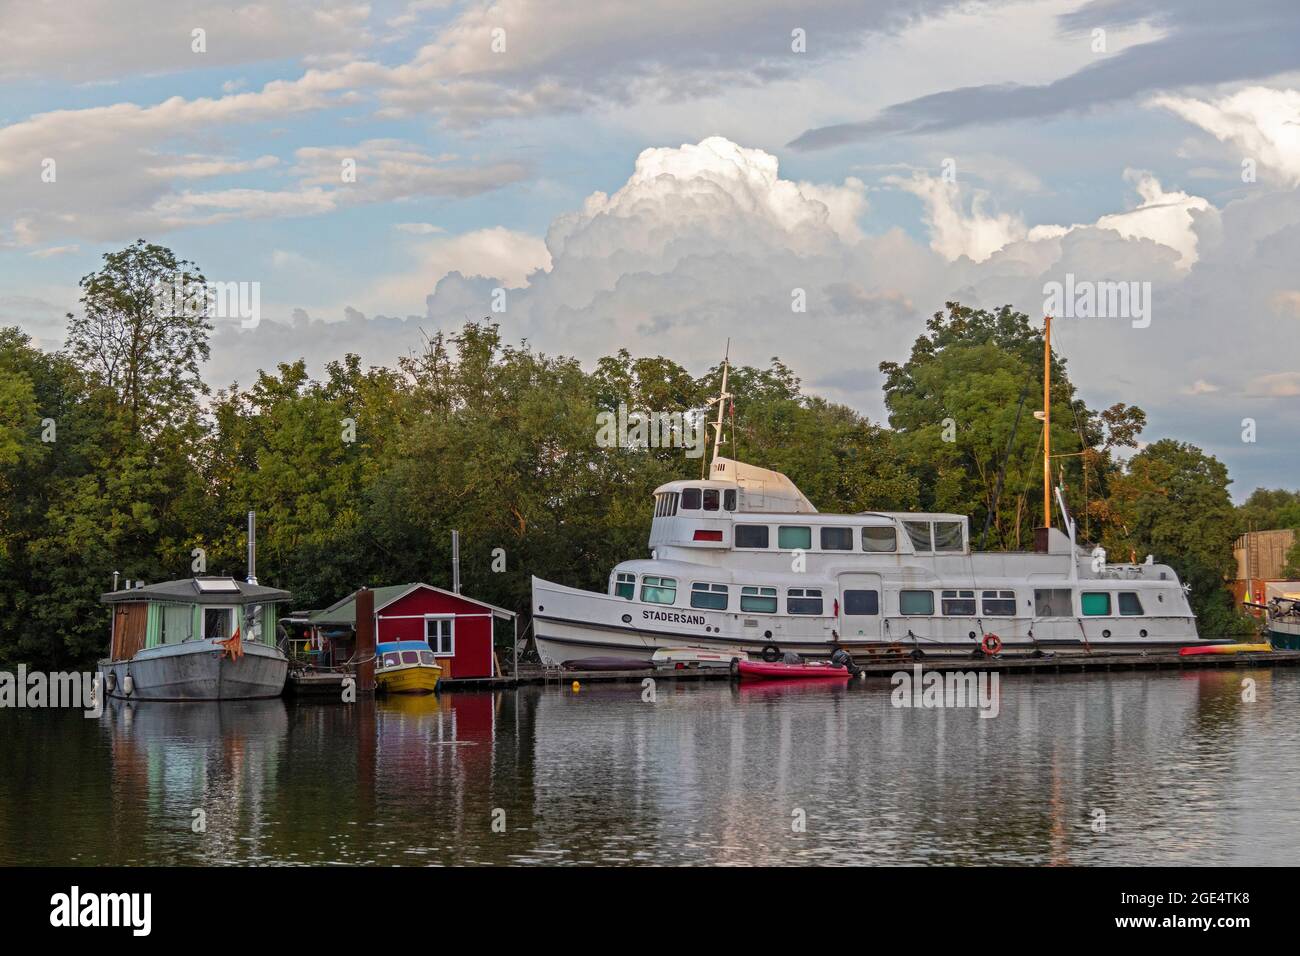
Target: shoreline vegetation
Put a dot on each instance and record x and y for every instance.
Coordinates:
(116, 456)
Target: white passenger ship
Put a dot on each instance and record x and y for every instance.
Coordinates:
(744, 561)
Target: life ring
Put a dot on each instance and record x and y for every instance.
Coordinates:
(771, 653)
(991, 644)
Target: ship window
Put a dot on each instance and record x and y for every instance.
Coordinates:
(1129, 603)
(410, 657)
(1095, 603)
(691, 499)
(711, 596)
(625, 585)
(441, 636)
(426, 657)
(861, 602)
(948, 536)
(711, 499)
(837, 539)
(656, 590)
(758, 600)
(391, 659)
(218, 622)
(789, 537)
(729, 500)
(998, 603)
(958, 603)
(880, 539)
(177, 623)
(916, 602)
(803, 601)
(751, 536)
(919, 532)
(1053, 602)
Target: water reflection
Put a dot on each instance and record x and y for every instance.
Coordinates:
(1184, 771)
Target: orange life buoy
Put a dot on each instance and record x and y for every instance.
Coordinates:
(991, 644)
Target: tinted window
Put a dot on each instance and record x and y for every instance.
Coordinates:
(410, 657)
(998, 603)
(958, 603)
(759, 600)
(711, 596)
(788, 537)
(837, 539)
(711, 498)
(919, 532)
(657, 590)
(729, 500)
(861, 602)
(751, 536)
(947, 536)
(691, 499)
(391, 659)
(1053, 602)
(879, 539)
(916, 602)
(803, 601)
(1130, 603)
(426, 657)
(1095, 603)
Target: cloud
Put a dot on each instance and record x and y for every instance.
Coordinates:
(501, 254)
(1263, 123)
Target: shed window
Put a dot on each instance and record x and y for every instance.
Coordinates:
(690, 499)
(712, 498)
(656, 590)
(1130, 604)
(919, 532)
(729, 500)
(1095, 603)
(711, 596)
(758, 600)
(837, 539)
(440, 632)
(789, 537)
(998, 603)
(880, 539)
(948, 536)
(625, 585)
(958, 603)
(803, 601)
(861, 602)
(751, 535)
(1053, 602)
(916, 602)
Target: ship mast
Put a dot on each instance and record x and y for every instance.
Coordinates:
(723, 395)
(1047, 421)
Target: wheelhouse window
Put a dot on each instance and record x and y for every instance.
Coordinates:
(916, 602)
(729, 500)
(710, 596)
(657, 590)
(948, 536)
(666, 505)
(919, 533)
(759, 600)
(426, 657)
(880, 540)
(218, 622)
(712, 499)
(998, 603)
(837, 539)
(690, 499)
(789, 537)
(958, 603)
(751, 535)
(1130, 605)
(625, 585)
(1095, 603)
(803, 601)
(440, 633)
(861, 602)
(392, 659)
(410, 657)
(1053, 602)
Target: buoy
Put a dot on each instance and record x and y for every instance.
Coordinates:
(128, 685)
(575, 686)
(991, 644)
(110, 680)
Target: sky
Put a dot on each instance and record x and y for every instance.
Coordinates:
(810, 180)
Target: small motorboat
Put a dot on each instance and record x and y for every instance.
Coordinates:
(406, 667)
(681, 658)
(778, 670)
(1224, 649)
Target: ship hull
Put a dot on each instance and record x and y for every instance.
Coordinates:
(197, 670)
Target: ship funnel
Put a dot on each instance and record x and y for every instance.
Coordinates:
(252, 547)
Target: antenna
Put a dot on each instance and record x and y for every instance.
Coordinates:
(721, 400)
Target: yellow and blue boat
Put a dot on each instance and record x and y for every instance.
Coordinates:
(406, 667)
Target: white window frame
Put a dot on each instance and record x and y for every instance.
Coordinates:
(441, 617)
(232, 608)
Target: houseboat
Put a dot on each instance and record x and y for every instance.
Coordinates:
(744, 561)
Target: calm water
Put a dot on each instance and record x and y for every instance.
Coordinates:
(1186, 772)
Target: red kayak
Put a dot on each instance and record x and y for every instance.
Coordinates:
(762, 670)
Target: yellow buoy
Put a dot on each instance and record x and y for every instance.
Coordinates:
(575, 686)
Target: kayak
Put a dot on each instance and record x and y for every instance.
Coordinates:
(1225, 649)
(762, 670)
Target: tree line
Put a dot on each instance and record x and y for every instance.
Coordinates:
(116, 456)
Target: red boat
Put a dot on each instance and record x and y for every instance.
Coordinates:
(762, 670)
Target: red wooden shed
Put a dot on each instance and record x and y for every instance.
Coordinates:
(458, 629)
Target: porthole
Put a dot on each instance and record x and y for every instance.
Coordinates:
(767, 633)
(1143, 632)
(971, 635)
(627, 618)
(1105, 633)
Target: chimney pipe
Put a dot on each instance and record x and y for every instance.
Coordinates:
(455, 561)
(252, 547)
